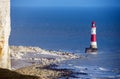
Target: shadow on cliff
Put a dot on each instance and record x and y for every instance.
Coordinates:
(7, 74)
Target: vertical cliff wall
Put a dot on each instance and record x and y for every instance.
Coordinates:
(4, 33)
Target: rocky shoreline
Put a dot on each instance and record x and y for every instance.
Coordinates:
(34, 61)
(44, 72)
(34, 55)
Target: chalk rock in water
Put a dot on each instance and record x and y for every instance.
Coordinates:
(4, 33)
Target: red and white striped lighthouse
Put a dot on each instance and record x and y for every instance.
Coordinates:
(93, 36)
(93, 43)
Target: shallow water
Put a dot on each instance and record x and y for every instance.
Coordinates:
(100, 66)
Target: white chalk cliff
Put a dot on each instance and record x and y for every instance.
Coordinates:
(4, 34)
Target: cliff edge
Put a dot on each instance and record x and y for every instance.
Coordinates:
(4, 33)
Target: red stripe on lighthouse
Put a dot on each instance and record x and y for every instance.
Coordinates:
(93, 38)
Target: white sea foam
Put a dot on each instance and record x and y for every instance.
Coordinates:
(103, 69)
(80, 67)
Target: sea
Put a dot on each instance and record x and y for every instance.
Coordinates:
(68, 29)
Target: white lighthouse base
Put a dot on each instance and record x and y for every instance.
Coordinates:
(91, 50)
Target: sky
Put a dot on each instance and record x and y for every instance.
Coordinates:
(66, 3)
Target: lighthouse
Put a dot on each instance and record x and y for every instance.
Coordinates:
(93, 44)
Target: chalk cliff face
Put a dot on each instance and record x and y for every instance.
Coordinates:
(4, 33)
